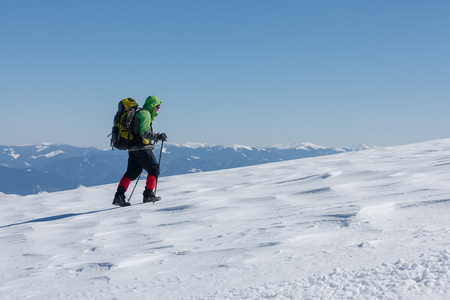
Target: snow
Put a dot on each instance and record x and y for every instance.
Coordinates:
(51, 154)
(360, 147)
(13, 154)
(299, 146)
(357, 225)
(194, 145)
(43, 147)
(239, 147)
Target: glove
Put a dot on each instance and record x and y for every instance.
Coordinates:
(161, 137)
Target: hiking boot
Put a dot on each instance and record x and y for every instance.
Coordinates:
(119, 199)
(149, 196)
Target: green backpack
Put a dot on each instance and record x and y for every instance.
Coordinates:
(122, 131)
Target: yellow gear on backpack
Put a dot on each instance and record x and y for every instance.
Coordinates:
(122, 131)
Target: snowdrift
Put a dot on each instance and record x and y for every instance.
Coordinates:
(358, 225)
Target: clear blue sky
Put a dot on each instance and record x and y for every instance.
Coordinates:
(257, 73)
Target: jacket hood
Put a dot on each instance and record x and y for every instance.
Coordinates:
(150, 104)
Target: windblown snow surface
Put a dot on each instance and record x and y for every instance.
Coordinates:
(359, 225)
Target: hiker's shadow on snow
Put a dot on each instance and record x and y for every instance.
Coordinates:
(58, 217)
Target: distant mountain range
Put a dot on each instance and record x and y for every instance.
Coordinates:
(32, 169)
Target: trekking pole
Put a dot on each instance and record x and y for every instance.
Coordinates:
(159, 164)
(134, 187)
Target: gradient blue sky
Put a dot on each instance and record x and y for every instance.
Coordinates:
(257, 73)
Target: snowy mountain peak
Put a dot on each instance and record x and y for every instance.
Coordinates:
(303, 146)
(359, 147)
(238, 147)
(194, 145)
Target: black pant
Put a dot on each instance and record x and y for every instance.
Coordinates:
(139, 160)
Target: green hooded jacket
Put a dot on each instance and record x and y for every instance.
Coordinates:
(145, 117)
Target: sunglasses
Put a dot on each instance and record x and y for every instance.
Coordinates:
(157, 106)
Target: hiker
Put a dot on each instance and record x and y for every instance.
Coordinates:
(140, 155)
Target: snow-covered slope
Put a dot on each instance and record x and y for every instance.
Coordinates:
(358, 225)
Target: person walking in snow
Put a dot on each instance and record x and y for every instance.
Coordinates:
(140, 156)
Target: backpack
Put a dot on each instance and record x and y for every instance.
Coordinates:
(122, 131)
